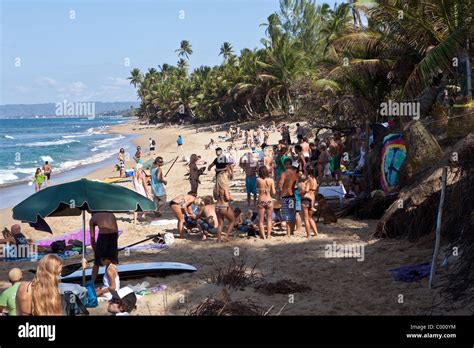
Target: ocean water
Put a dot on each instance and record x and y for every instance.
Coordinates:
(66, 143)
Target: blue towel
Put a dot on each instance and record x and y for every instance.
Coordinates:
(411, 273)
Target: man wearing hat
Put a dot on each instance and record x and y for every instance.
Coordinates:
(8, 297)
(123, 301)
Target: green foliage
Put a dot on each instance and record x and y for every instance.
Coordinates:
(314, 57)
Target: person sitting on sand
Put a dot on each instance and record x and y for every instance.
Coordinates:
(14, 236)
(8, 296)
(41, 296)
(157, 185)
(181, 205)
(47, 172)
(210, 145)
(39, 179)
(107, 240)
(222, 195)
(265, 188)
(123, 301)
(111, 279)
(247, 223)
(207, 217)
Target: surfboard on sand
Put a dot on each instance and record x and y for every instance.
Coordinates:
(115, 180)
(134, 270)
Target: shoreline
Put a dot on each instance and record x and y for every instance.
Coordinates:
(15, 192)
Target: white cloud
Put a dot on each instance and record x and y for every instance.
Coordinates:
(119, 81)
(45, 81)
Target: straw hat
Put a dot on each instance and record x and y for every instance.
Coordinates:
(15, 275)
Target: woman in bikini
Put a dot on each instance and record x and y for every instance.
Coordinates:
(265, 189)
(41, 296)
(307, 190)
(223, 209)
(181, 205)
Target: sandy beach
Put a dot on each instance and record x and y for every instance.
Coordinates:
(338, 286)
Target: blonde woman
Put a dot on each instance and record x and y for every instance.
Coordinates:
(41, 296)
(223, 209)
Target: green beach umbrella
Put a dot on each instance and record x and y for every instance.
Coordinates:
(77, 197)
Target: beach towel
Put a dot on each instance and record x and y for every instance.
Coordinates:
(76, 235)
(411, 273)
(148, 246)
(164, 222)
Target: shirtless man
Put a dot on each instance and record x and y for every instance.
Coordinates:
(107, 240)
(47, 172)
(207, 217)
(305, 149)
(287, 184)
(250, 166)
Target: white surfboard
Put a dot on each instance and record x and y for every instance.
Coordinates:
(133, 270)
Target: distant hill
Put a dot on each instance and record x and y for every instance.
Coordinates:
(49, 109)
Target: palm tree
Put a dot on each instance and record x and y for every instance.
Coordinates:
(226, 50)
(135, 77)
(185, 49)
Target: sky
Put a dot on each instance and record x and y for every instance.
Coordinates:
(84, 50)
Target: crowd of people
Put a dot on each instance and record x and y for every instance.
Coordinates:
(281, 181)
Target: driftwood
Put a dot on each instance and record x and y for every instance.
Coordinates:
(214, 307)
(284, 286)
(236, 274)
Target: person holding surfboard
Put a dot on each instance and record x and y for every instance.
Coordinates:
(106, 246)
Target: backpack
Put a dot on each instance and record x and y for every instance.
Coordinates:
(72, 304)
(153, 142)
(58, 247)
(91, 297)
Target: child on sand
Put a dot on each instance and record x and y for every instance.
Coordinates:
(39, 179)
(111, 279)
(8, 296)
(123, 301)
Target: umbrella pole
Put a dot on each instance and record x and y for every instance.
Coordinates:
(83, 247)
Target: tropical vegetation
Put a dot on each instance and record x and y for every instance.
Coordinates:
(333, 64)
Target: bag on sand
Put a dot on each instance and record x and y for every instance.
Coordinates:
(91, 297)
(72, 304)
(169, 238)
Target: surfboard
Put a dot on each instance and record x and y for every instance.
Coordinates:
(115, 180)
(134, 270)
